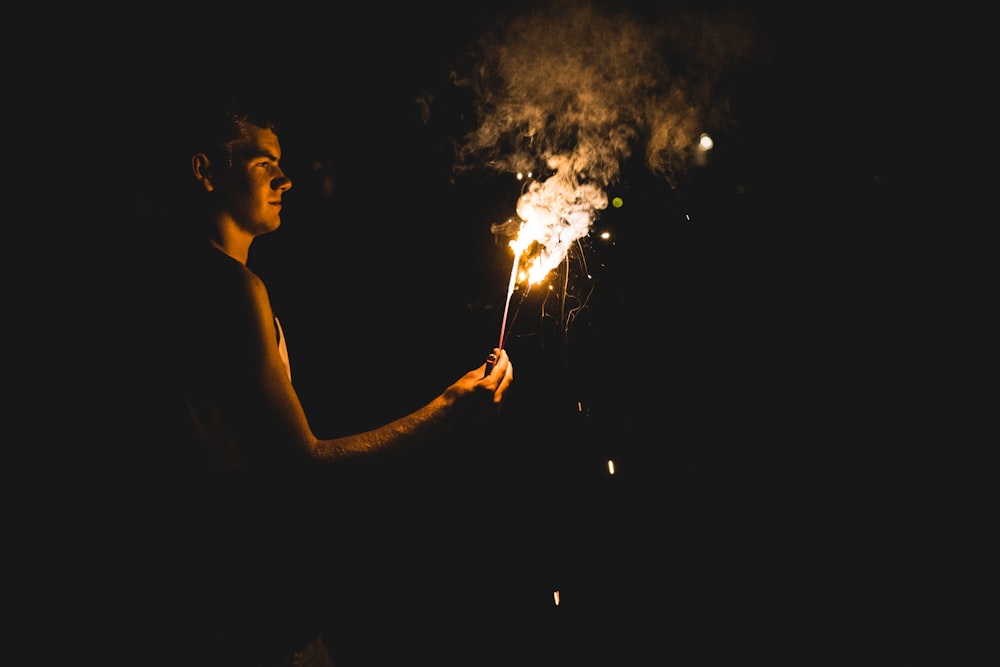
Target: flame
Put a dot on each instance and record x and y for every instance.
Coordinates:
(555, 213)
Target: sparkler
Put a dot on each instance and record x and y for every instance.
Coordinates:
(551, 216)
(518, 247)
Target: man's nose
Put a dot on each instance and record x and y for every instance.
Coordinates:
(281, 182)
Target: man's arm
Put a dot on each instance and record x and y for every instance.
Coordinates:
(474, 397)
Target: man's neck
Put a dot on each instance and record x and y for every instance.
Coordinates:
(232, 241)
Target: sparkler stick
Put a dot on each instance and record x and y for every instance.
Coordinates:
(506, 308)
(510, 293)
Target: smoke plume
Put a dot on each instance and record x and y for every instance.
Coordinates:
(573, 88)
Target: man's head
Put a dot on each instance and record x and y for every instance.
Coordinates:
(235, 161)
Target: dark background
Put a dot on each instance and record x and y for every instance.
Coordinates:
(728, 311)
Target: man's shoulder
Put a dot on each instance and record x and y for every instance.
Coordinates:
(208, 269)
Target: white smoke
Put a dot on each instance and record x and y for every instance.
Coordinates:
(556, 213)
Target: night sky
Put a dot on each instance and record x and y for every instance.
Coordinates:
(692, 352)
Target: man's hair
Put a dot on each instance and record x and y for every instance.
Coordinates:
(216, 133)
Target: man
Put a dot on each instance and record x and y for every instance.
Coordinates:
(234, 526)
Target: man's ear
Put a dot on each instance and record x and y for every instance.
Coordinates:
(202, 168)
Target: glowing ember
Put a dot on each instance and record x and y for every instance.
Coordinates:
(556, 213)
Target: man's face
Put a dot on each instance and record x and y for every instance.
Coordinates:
(252, 188)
